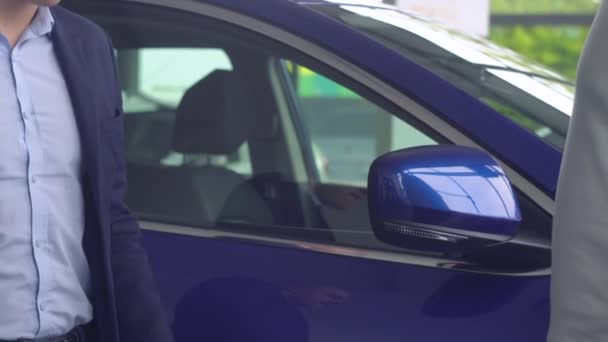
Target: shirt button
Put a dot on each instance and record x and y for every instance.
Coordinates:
(38, 243)
(25, 115)
(41, 307)
(34, 180)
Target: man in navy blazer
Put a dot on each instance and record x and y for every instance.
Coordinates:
(73, 268)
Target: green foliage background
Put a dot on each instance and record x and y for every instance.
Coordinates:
(544, 6)
(558, 47)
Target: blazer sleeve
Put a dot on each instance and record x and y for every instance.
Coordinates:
(141, 317)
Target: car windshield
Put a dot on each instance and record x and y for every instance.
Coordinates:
(529, 94)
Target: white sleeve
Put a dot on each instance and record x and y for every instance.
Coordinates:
(579, 295)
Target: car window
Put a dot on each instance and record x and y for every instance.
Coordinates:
(229, 131)
(347, 132)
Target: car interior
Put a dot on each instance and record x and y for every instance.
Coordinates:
(178, 159)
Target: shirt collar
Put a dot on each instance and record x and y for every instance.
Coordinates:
(43, 21)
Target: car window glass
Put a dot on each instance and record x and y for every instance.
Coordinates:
(347, 131)
(214, 138)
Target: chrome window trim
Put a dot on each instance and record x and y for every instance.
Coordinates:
(353, 252)
(382, 89)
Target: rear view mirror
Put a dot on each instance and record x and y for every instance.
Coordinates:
(441, 198)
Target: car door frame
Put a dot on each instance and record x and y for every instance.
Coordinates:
(379, 87)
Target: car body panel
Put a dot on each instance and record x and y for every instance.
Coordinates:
(328, 298)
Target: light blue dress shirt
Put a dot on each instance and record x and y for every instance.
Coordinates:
(44, 275)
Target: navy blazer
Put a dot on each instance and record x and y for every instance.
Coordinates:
(127, 305)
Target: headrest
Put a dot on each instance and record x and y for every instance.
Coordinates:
(215, 116)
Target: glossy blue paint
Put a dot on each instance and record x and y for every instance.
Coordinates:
(227, 290)
(523, 151)
(444, 186)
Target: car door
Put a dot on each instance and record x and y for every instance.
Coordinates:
(247, 160)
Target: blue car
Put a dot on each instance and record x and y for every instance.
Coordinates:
(324, 171)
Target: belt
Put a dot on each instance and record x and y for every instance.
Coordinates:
(78, 334)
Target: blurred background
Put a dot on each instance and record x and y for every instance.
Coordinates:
(551, 32)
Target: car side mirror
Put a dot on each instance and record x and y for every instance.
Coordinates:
(441, 199)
